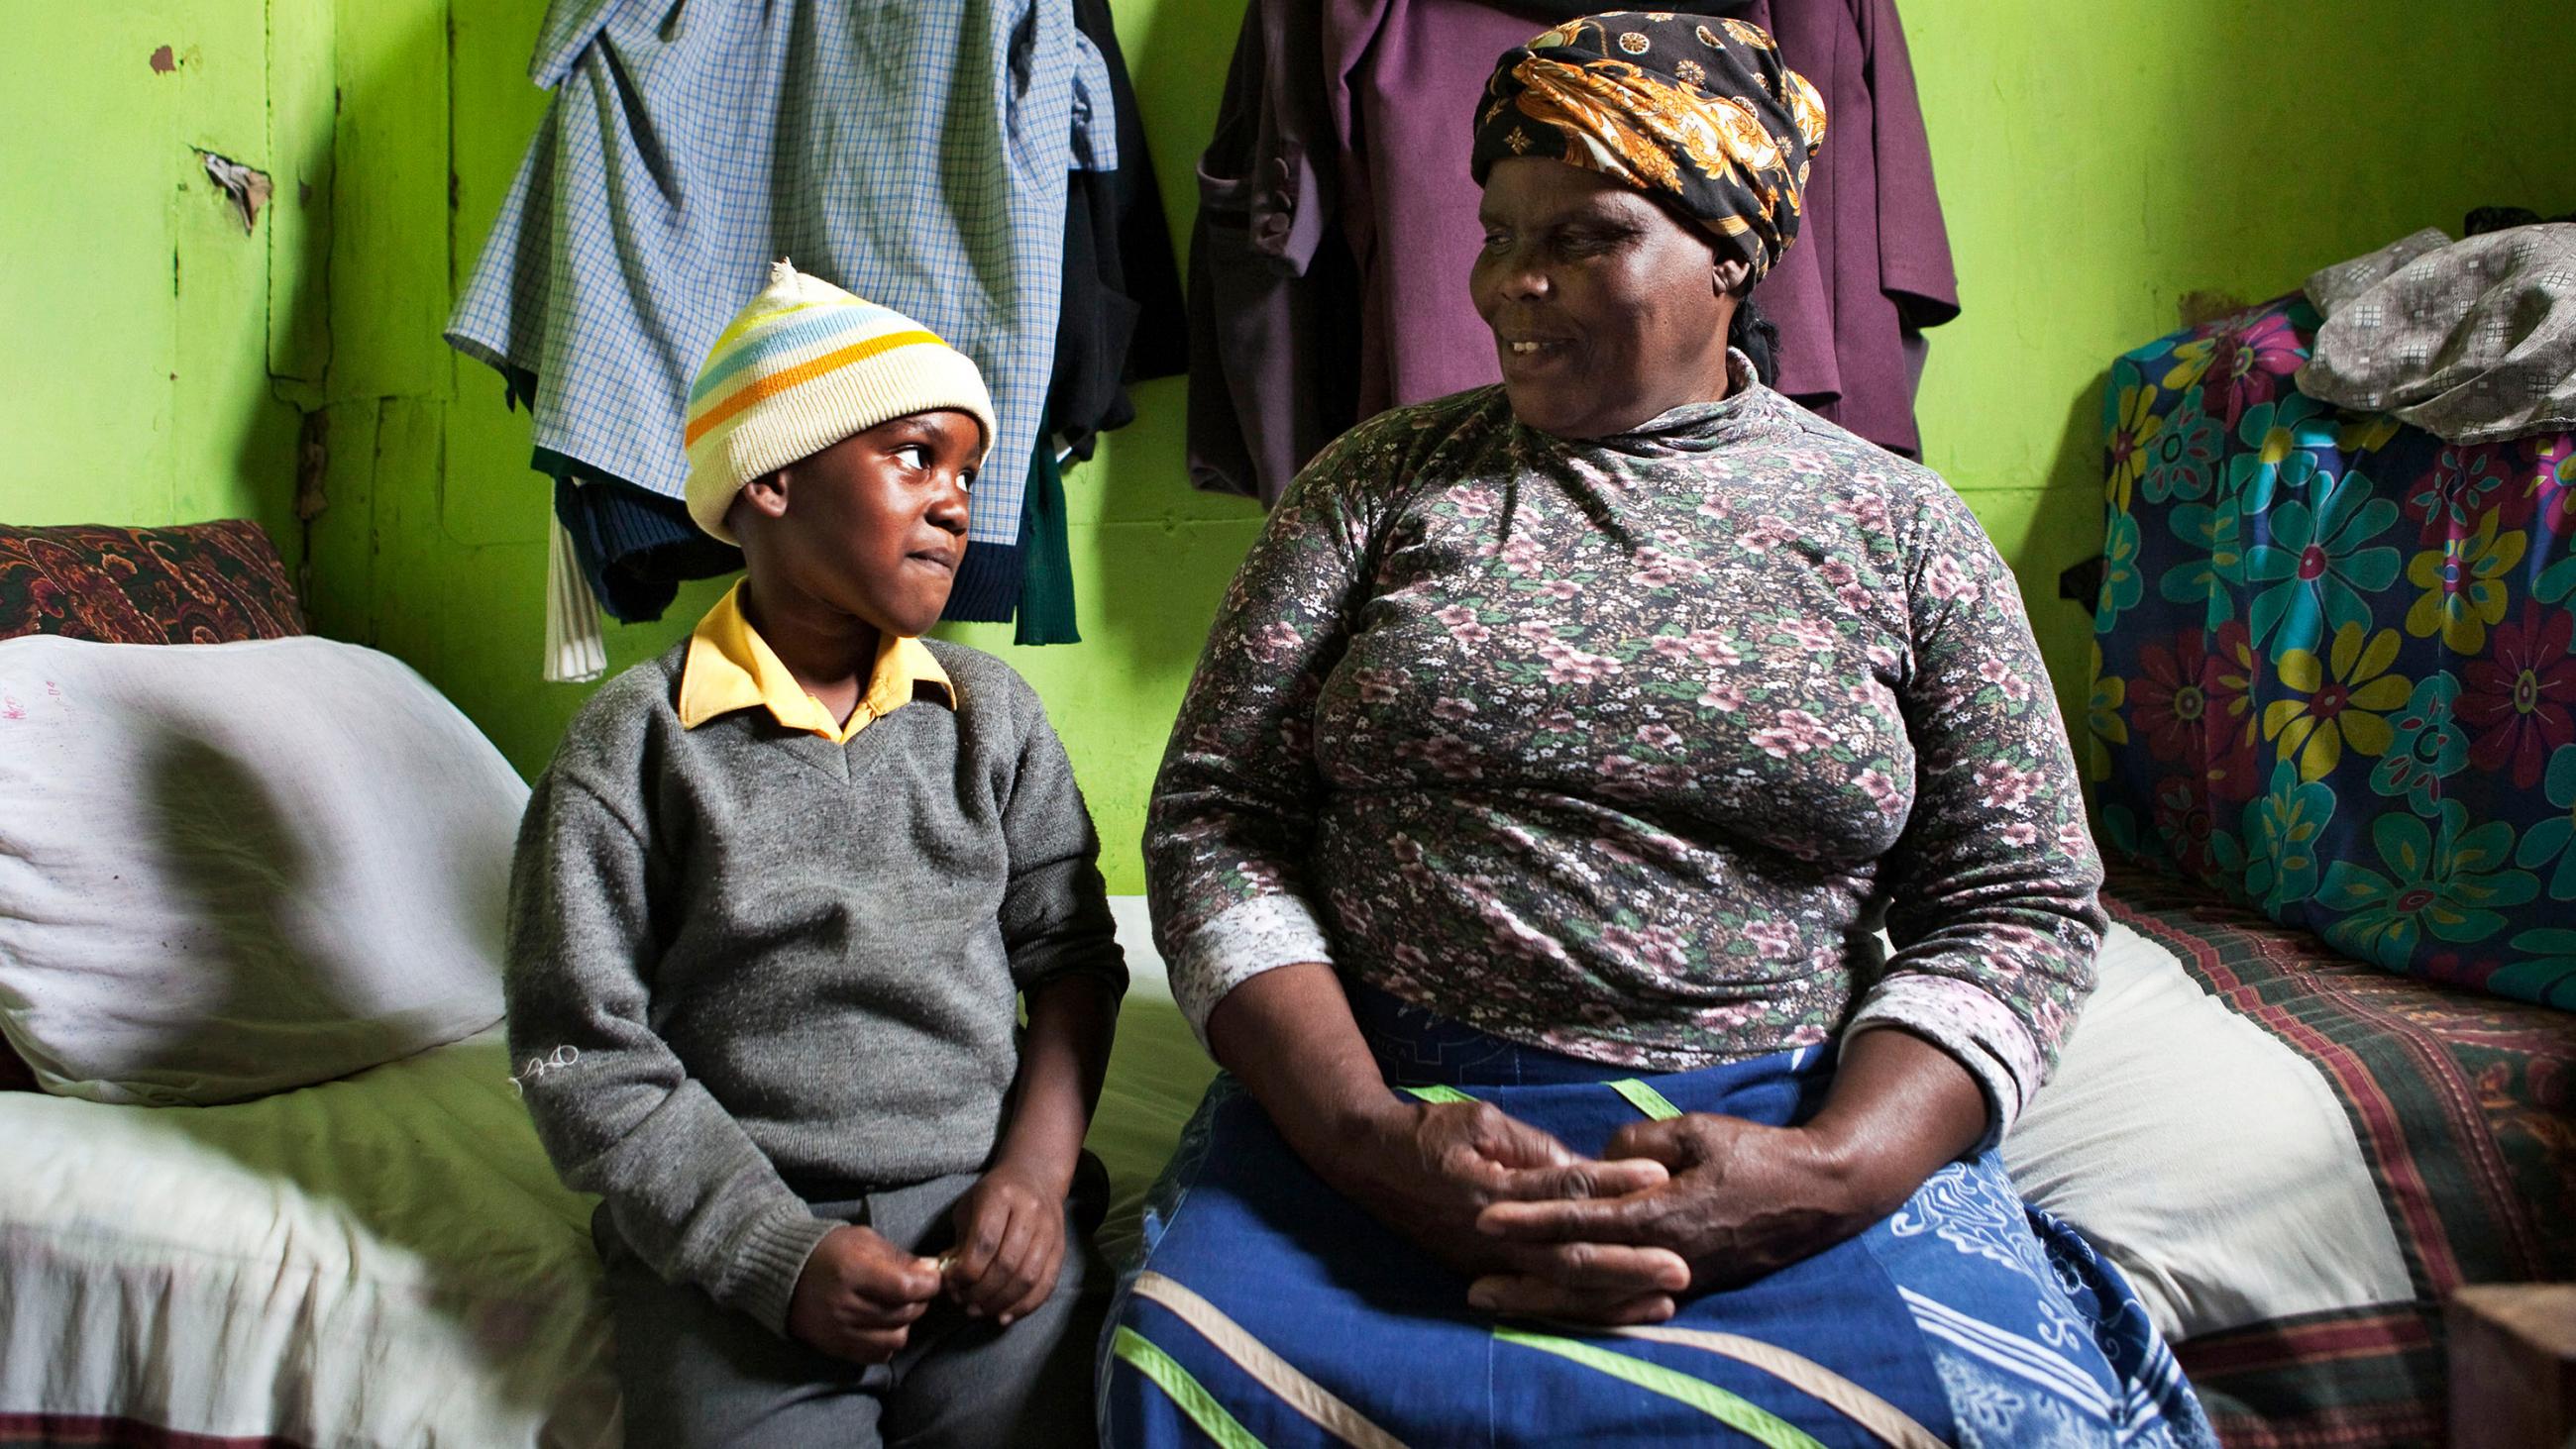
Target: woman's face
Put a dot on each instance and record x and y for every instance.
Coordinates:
(1605, 308)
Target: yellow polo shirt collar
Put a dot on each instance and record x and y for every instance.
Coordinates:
(730, 667)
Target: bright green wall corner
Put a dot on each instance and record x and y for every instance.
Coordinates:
(134, 300)
(2097, 162)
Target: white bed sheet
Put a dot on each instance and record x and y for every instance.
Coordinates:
(387, 1259)
(2208, 1160)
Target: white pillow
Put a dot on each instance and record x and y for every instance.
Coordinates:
(231, 869)
(2206, 1158)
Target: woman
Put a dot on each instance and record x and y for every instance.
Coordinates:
(1558, 752)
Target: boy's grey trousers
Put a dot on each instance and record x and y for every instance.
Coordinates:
(695, 1374)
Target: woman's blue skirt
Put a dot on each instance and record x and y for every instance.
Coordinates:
(1267, 1309)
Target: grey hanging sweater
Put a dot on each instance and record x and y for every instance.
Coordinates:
(750, 968)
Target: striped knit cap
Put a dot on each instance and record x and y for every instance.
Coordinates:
(801, 367)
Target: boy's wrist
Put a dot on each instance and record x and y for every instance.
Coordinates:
(772, 1256)
(1045, 1166)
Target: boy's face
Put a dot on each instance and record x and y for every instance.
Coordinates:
(874, 525)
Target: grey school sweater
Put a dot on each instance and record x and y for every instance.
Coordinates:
(750, 968)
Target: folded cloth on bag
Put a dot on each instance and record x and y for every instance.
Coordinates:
(2472, 341)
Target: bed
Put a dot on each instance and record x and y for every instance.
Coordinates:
(2464, 1109)
(383, 1259)
(2331, 750)
(2293, 1156)
(380, 1258)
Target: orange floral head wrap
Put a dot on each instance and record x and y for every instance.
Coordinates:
(1697, 110)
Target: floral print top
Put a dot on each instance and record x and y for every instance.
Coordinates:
(1625, 747)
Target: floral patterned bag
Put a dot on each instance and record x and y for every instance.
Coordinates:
(2333, 673)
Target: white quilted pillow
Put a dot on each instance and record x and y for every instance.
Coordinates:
(2208, 1160)
(231, 869)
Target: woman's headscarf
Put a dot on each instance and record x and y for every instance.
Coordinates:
(1697, 110)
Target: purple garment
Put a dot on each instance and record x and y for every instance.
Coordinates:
(1872, 263)
(1401, 82)
(1273, 296)
(1338, 224)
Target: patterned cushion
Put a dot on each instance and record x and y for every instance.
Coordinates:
(201, 583)
(2334, 676)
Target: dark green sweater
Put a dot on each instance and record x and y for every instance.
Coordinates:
(750, 968)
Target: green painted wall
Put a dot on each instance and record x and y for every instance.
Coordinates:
(2098, 162)
(135, 303)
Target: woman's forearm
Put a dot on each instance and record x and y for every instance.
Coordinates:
(1899, 1109)
(1289, 1037)
(1423, 1169)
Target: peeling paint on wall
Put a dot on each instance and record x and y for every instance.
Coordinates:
(163, 62)
(2195, 309)
(248, 186)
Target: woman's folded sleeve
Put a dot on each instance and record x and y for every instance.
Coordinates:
(1234, 806)
(1992, 888)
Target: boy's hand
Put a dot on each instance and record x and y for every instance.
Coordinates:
(858, 1296)
(1010, 1245)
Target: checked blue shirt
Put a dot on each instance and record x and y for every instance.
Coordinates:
(912, 151)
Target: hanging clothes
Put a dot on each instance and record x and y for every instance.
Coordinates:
(1402, 79)
(1337, 224)
(1046, 612)
(1121, 320)
(1872, 268)
(1274, 293)
(629, 549)
(633, 547)
(913, 151)
(575, 650)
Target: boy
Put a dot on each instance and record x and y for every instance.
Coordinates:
(775, 901)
